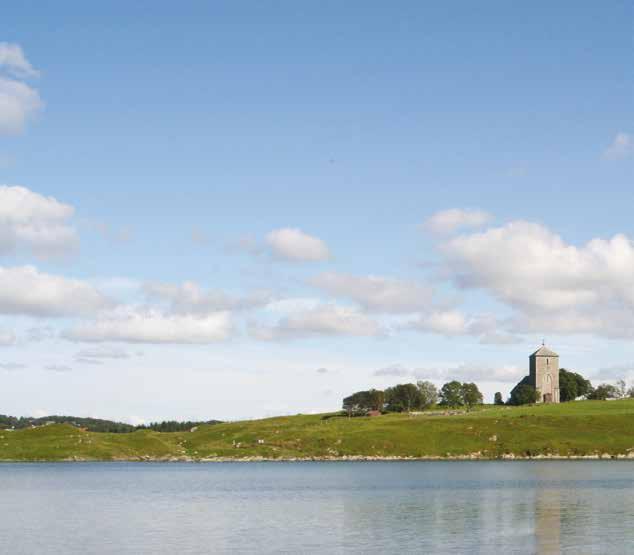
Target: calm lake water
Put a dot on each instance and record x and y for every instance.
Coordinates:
(355, 507)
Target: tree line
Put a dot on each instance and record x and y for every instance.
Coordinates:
(572, 386)
(97, 424)
(422, 395)
(410, 397)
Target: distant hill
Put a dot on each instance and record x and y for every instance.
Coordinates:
(578, 429)
(97, 424)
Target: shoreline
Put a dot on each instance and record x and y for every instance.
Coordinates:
(351, 458)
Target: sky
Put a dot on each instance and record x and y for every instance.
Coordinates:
(243, 209)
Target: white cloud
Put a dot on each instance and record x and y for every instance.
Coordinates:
(455, 323)
(554, 286)
(454, 219)
(448, 322)
(7, 338)
(12, 58)
(146, 325)
(25, 290)
(461, 372)
(297, 246)
(35, 222)
(377, 293)
(190, 298)
(322, 320)
(622, 147)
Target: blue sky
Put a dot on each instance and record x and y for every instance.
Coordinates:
(279, 188)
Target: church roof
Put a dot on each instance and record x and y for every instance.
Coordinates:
(544, 351)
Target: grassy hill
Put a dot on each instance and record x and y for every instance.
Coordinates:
(572, 429)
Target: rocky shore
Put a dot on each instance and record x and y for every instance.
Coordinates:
(353, 458)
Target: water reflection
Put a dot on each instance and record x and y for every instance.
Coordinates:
(460, 507)
(548, 520)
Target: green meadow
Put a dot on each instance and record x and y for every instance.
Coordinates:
(583, 428)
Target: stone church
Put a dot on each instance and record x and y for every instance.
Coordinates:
(544, 374)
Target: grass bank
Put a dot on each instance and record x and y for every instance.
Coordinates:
(585, 428)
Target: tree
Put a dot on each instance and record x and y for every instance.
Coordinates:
(470, 394)
(584, 387)
(428, 394)
(497, 399)
(523, 393)
(603, 392)
(451, 394)
(403, 397)
(572, 385)
(630, 392)
(621, 388)
(361, 402)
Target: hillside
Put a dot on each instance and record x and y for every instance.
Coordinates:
(584, 428)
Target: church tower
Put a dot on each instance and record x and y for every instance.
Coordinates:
(544, 374)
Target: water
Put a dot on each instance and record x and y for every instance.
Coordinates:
(409, 507)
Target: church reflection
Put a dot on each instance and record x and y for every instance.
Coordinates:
(548, 520)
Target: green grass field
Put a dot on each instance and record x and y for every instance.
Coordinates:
(582, 428)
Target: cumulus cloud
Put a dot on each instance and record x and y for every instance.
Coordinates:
(148, 325)
(7, 338)
(25, 290)
(454, 219)
(19, 102)
(324, 320)
(460, 372)
(377, 293)
(553, 285)
(622, 147)
(37, 223)
(190, 298)
(295, 245)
